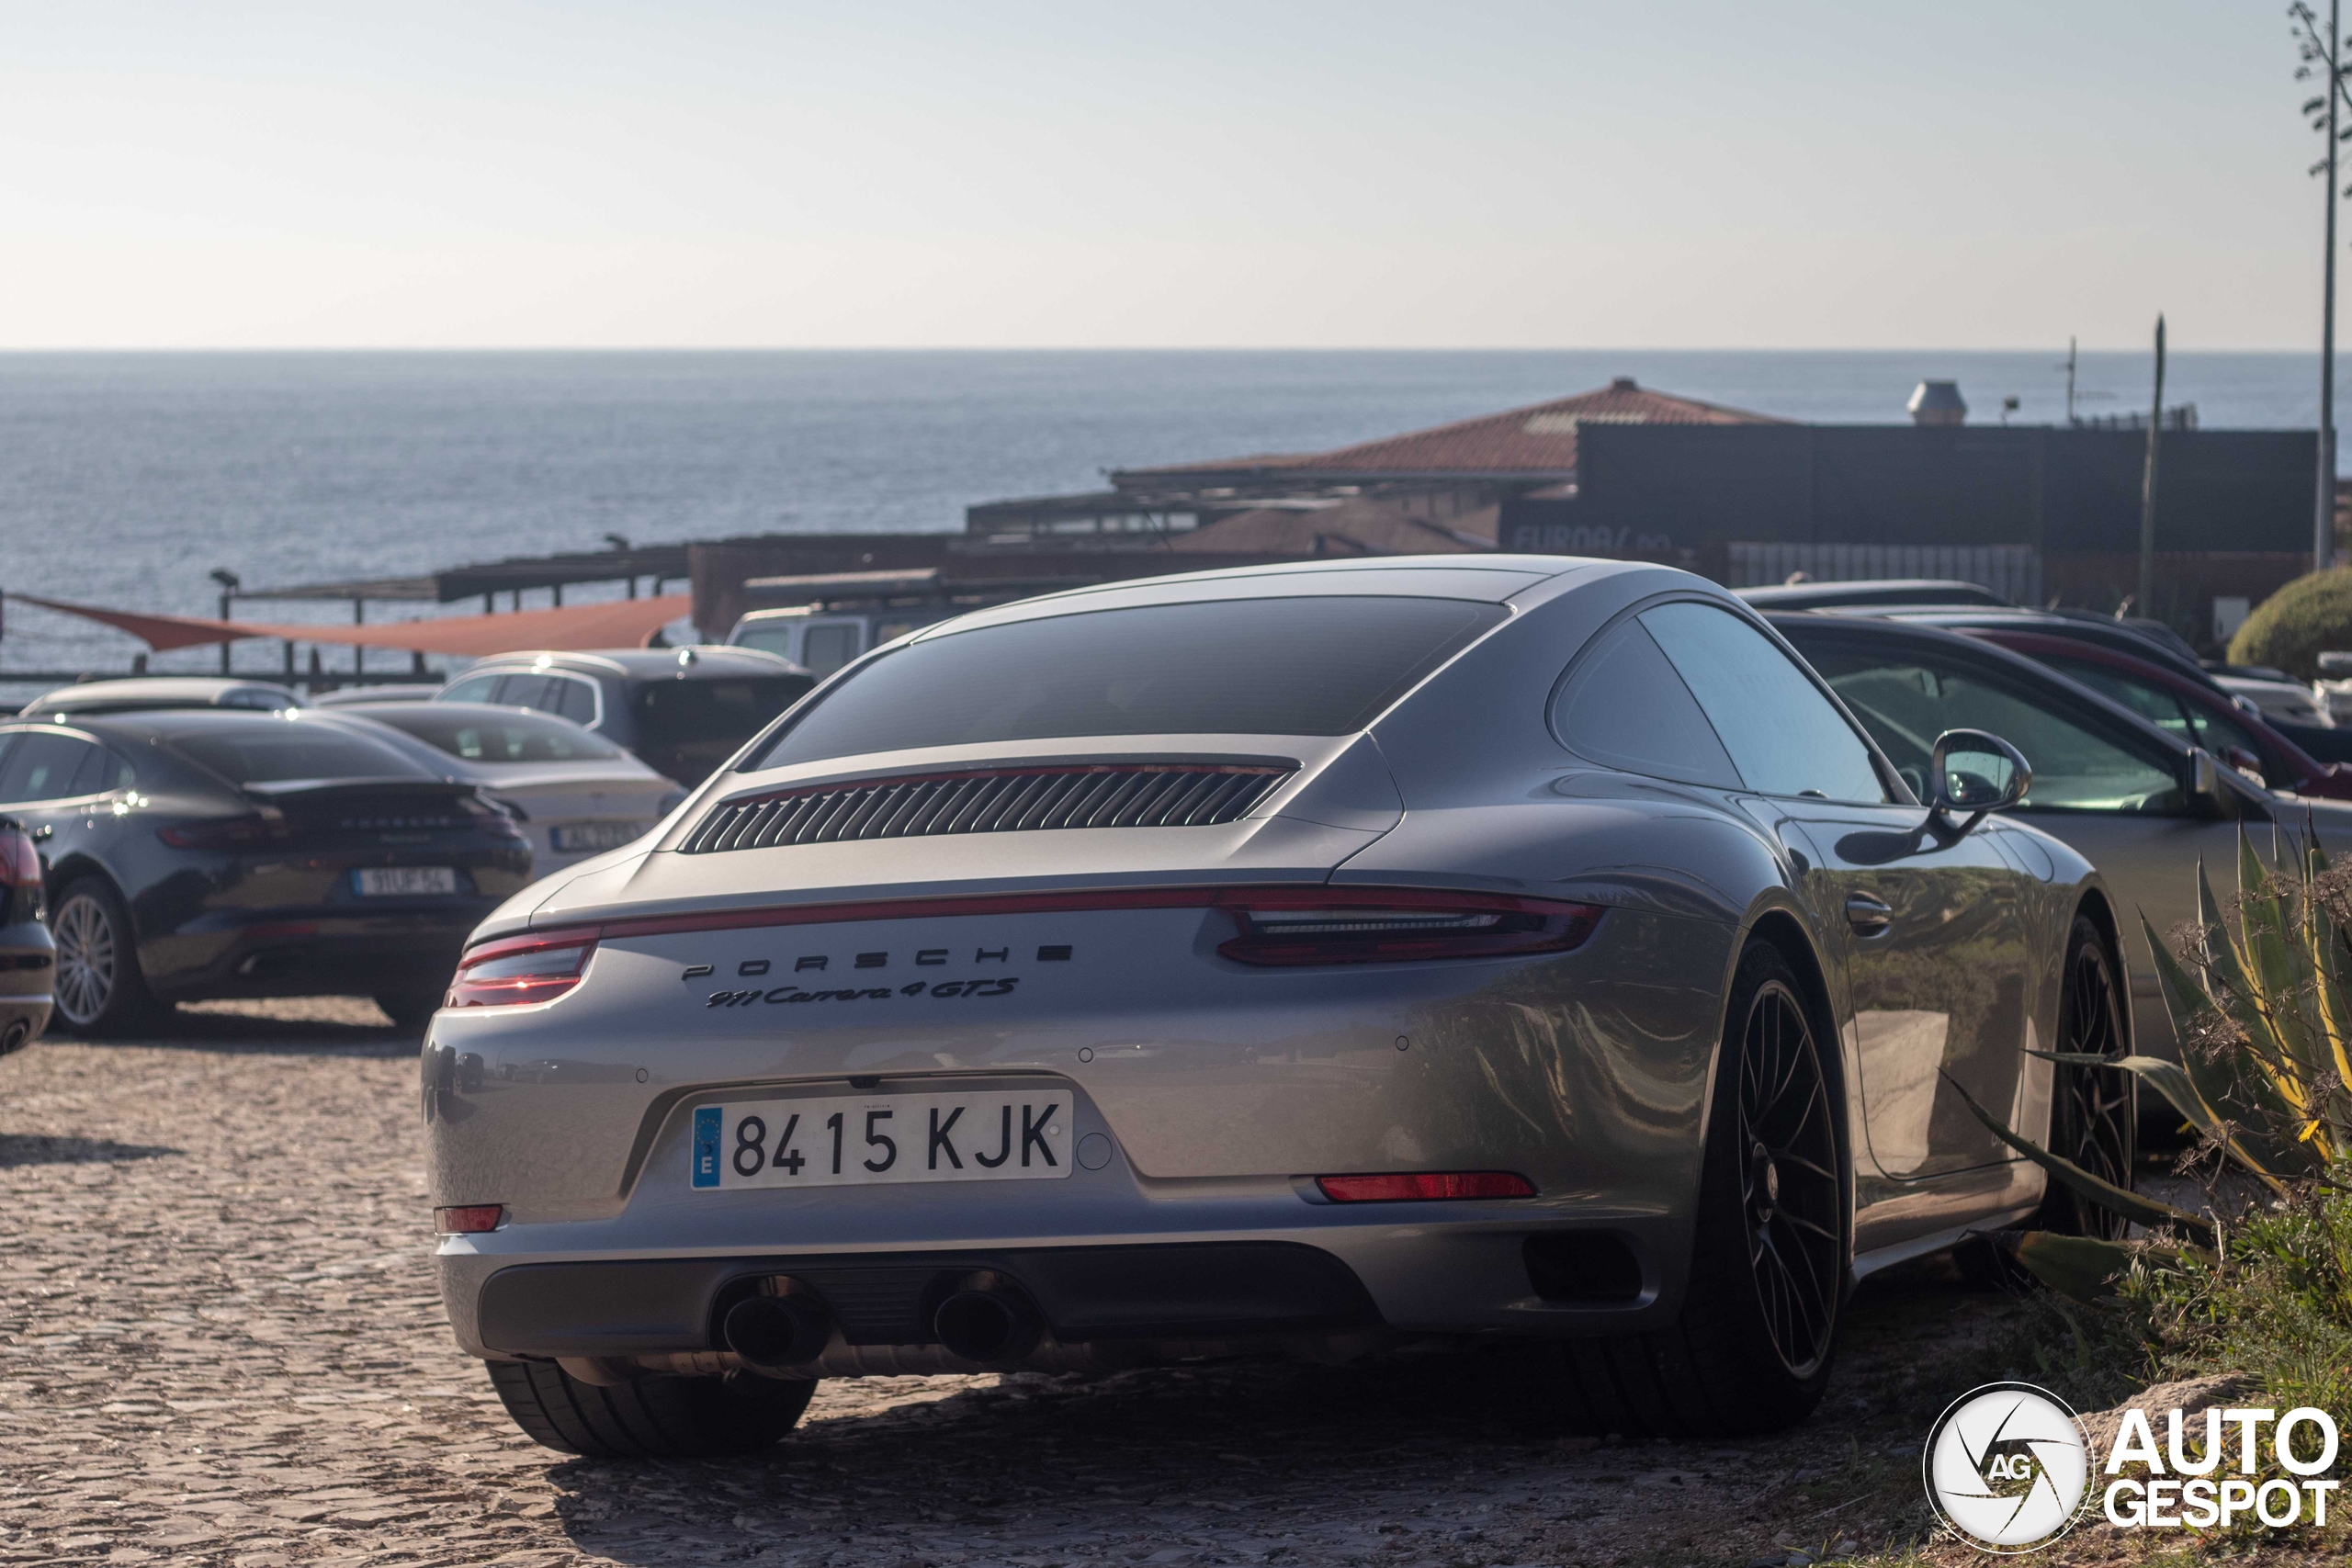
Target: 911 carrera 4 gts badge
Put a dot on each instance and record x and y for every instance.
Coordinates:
(999, 985)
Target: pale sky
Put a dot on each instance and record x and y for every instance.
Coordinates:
(1571, 174)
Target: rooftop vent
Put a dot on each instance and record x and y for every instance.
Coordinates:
(1000, 800)
(1623, 384)
(1938, 403)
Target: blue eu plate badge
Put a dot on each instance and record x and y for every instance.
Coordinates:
(707, 1119)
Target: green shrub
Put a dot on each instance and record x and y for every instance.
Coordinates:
(2291, 628)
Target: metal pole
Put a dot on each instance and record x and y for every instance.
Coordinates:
(2323, 503)
(2147, 596)
(224, 642)
(358, 654)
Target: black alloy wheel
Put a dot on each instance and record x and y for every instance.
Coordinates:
(2094, 1111)
(1790, 1195)
(99, 987)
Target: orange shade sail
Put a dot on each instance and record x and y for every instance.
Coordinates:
(623, 623)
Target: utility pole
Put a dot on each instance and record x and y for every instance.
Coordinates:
(2324, 55)
(2147, 596)
(2070, 382)
(2323, 519)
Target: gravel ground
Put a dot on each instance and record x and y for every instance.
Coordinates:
(219, 1343)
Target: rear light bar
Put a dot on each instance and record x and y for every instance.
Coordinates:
(1390, 925)
(519, 969)
(1422, 1185)
(1277, 925)
(19, 862)
(258, 831)
(469, 1219)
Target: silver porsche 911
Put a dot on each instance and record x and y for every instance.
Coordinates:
(1304, 960)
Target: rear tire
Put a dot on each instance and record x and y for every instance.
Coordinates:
(100, 992)
(652, 1417)
(1770, 1249)
(410, 1010)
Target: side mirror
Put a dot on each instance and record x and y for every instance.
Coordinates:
(1974, 773)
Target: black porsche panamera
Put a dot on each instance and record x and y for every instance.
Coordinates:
(203, 852)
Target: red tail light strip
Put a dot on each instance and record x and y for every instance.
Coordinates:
(1406, 1187)
(1278, 927)
(469, 1219)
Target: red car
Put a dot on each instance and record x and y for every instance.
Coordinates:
(2187, 709)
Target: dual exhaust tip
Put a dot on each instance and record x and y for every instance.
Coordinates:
(983, 1318)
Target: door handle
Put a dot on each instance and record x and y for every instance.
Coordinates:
(1867, 914)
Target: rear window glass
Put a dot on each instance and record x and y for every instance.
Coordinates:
(687, 713)
(1304, 666)
(499, 737)
(275, 754)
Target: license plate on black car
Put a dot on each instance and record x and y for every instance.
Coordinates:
(596, 835)
(404, 881)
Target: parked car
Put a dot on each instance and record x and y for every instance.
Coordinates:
(370, 696)
(27, 953)
(148, 693)
(2191, 709)
(2323, 744)
(575, 793)
(2141, 803)
(842, 614)
(683, 711)
(2280, 697)
(193, 852)
(1302, 960)
(1873, 591)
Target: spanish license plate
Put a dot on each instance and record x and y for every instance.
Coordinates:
(870, 1142)
(596, 835)
(404, 881)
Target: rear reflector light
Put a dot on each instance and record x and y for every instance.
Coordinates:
(1385, 925)
(469, 1219)
(1411, 1186)
(253, 832)
(519, 969)
(19, 862)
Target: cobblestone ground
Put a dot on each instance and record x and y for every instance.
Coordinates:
(219, 1343)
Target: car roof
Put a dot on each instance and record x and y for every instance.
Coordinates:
(1484, 578)
(170, 724)
(710, 661)
(375, 695)
(2102, 629)
(153, 691)
(1873, 591)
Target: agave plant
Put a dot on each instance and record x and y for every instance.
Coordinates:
(2265, 1020)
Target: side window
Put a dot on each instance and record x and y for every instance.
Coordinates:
(574, 699)
(1628, 709)
(42, 766)
(1906, 701)
(527, 691)
(828, 644)
(98, 773)
(1784, 736)
(2152, 703)
(473, 689)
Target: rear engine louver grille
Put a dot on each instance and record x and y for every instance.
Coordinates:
(1011, 800)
